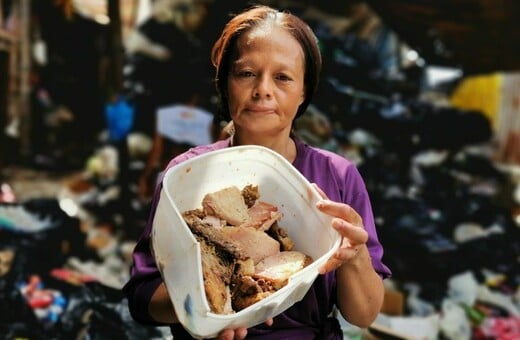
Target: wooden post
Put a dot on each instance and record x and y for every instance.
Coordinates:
(6, 56)
(25, 72)
(15, 121)
(115, 86)
(116, 48)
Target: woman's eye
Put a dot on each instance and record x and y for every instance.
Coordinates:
(245, 74)
(283, 77)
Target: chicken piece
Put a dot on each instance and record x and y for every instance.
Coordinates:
(245, 267)
(280, 234)
(217, 271)
(246, 256)
(262, 215)
(213, 235)
(214, 221)
(279, 267)
(248, 291)
(219, 257)
(227, 204)
(252, 243)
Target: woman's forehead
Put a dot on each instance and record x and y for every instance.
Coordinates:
(274, 46)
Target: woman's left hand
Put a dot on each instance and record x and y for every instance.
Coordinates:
(233, 334)
(349, 225)
(238, 333)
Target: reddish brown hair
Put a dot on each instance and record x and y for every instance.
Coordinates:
(222, 52)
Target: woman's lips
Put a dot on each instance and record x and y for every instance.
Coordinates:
(260, 109)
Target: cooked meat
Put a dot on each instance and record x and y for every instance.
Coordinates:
(217, 270)
(271, 274)
(218, 257)
(227, 204)
(250, 194)
(212, 235)
(214, 221)
(280, 234)
(279, 267)
(252, 243)
(195, 213)
(245, 267)
(248, 291)
(262, 215)
(246, 256)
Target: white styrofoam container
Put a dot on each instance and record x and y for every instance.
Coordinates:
(177, 252)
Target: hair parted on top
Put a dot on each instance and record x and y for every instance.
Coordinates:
(251, 18)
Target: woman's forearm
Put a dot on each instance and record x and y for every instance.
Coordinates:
(160, 307)
(360, 290)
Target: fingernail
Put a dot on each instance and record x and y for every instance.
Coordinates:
(322, 203)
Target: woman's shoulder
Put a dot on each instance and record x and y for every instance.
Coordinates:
(198, 150)
(308, 153)
(336, 175)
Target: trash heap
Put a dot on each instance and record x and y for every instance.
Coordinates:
(447, 214)
(63, 262)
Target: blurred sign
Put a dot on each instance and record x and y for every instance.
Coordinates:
(185, 124)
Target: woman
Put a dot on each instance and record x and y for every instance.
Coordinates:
(267, 67)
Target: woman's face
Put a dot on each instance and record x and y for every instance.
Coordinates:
(266, 81)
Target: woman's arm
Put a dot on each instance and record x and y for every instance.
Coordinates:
(360, 289)
(160, 307)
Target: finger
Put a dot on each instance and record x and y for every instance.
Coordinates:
(352, 234)
(226, 334)
(240, 333)
(340, 210)
(339, 257)
(331, 265)
(269, 322)
(233, 334)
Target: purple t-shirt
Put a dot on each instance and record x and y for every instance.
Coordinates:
(309, 318)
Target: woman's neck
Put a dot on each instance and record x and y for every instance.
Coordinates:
(284, 146)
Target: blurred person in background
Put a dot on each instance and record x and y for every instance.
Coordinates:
(166, 66)
(165, 53)
(267, 68)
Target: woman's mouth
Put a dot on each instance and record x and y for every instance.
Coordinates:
(260, 109)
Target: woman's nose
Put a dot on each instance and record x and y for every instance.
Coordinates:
(263, 88)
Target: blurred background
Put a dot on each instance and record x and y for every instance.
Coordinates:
(96, 96)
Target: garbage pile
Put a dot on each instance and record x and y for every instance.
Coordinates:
(447, 214)
(64, 260)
